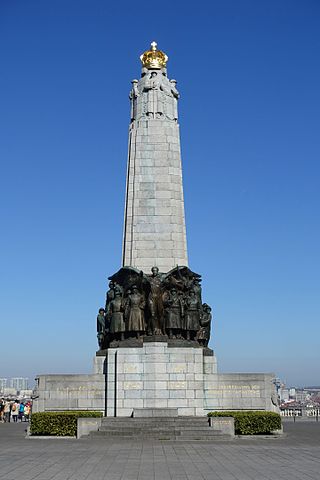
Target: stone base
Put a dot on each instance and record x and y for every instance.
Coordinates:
(152, 376)
(69, 392)
(156, 376)
(239, 391)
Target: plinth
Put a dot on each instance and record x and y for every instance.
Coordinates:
(156, 376)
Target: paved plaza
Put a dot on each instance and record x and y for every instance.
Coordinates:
(294, 457)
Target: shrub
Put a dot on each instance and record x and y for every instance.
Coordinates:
(250, 422)
(61, 424)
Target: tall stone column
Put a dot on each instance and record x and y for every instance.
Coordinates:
(154, 224)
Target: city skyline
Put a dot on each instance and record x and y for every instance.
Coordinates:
(249, 134)
(18, 383)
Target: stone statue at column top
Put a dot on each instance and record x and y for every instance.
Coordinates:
(154, 95)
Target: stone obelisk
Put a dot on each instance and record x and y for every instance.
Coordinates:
(154, 224)
(153, 334)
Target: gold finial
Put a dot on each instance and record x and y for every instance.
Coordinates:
(154, 59)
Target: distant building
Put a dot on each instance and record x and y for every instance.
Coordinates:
(19, 383)
(3, 384)
(284, 394)
(292, 392)
(25, 393)
(302, 396)
(9, 392)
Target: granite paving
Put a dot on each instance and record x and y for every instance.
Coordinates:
(295, 456)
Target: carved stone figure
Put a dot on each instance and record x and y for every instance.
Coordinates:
(101, 327)
(136, 305)
(117, 325)
(155, 302)
(176, 95)
(192, 315)
(152, 86)
(134, 93)
(154, 95)
(167, 99)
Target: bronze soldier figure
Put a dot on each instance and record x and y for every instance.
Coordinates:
(155, 302)
(101, 327)
(136, 305)
(192, 315)
(117, 325)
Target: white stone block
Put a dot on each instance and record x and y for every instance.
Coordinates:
(133, 394)
(177, 393)
(155, 385)
(133, 368)
(131, 377)
(196, 385)
(177, 367)
(155, 358)
(177, 385)
(156, 375)
(190, 394)
(177, 358)
(155, 367)
(195, 402)
(129, 358)
(155, 348)
(178, 376)
(155, 403)
(133, 402)
(178, 402)
(137, 385)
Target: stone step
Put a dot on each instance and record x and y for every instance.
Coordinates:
(153, 419)
(154, 427)
(202, 438)
(158, 428)
(191, 433)
(155, 430)
(168, 436)
(179, 420)
(154, 424)
(209, 431)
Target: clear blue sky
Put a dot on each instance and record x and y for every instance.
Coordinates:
(249, 76)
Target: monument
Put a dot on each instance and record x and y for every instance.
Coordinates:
(154, 330)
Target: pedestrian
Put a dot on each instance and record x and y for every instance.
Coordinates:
(7, 411)
(27, 409)
(21, 411)
(1, 410)
(15, 411)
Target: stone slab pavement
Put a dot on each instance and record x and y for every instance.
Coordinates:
(296, 456)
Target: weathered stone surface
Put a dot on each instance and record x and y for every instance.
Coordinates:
(154, 174)
(155, 376)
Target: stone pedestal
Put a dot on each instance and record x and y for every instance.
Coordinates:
(156, 376)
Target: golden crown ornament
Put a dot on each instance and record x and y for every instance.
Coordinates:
(153, 58)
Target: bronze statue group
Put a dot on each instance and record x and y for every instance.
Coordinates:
(139, 305)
